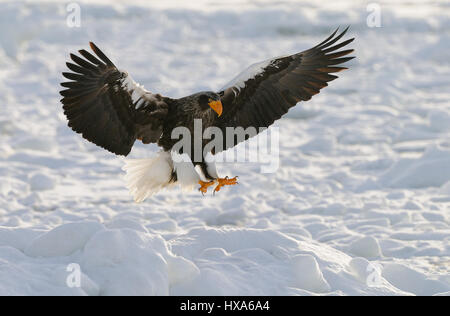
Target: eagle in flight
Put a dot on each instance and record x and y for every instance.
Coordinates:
(108, 108)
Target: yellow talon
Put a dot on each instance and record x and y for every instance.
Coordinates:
(225, 181)
(204, 186)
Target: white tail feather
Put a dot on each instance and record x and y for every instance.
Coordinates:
(145, 177)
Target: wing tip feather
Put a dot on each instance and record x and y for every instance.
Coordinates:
(100, 54)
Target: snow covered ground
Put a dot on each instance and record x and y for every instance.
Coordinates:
(360, 204)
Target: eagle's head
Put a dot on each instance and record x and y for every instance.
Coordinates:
(209, 100)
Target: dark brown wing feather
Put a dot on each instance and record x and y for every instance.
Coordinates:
(98, 102)
(281, 85)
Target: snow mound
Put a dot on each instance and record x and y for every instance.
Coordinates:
(307, 274)
(111, 261)
(263, 262)
(126, 263)
(413, 281)
(41, 182)
(129, 262)
(63, 240)
(439, 120)
(430, 170)
(367, 247)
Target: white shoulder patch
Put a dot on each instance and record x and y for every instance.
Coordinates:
(138, 93)
(249, 73)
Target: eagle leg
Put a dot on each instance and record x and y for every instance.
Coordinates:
(205, 185)
(225, 181)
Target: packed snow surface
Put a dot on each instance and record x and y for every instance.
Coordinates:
(359, 205)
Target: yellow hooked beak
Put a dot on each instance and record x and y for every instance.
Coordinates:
(216, 106)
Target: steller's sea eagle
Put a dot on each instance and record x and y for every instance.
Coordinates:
(111, 110)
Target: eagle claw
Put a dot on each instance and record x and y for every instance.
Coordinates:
(225, 181)
(204, 186)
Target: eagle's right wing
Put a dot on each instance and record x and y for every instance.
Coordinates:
(266, 91)
(107, 106)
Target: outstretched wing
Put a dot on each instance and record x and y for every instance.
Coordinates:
(267, 90)
(107, 107)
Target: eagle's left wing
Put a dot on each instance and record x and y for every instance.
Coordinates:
(107, 106)
(266, 91)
